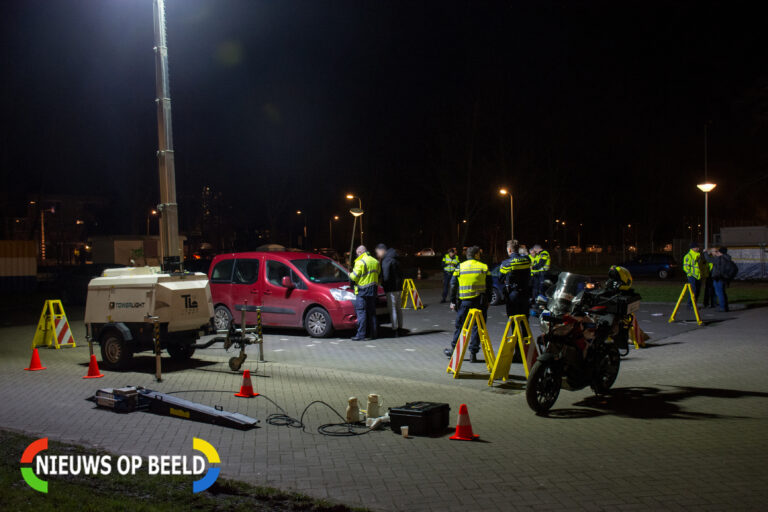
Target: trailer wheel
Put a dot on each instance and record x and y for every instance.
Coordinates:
(115, 353)
(180, 351)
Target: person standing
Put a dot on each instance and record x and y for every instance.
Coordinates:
(724, 270)
(365, 278)
(541, 262)
(450, 263)
(470, 285)
(517, 278)
(392, 282)
(692, 263)
(707, 260)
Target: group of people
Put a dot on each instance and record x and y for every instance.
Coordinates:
(468, 285)
(711, 270)
(366, 274)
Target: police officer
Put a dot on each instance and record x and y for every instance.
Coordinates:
(450, 263)
(539, 268)
(693, 266)
(365, 278)
(470, 287)
(517, 278)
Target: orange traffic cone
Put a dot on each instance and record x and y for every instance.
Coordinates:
(34, 363)
(246, 390)
(464, 426)
(93, 369)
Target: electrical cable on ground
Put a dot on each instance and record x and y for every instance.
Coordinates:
(283, 419)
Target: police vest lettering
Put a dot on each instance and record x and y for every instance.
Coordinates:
(471, 276)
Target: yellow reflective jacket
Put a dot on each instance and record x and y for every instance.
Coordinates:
(471, 276)
(450, 263)
(365, 273)
(692, 264)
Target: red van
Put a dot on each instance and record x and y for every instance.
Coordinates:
(294, 289)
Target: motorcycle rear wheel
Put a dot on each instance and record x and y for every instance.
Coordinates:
(543, 387)
(606, 369)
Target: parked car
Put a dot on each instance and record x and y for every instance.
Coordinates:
(293, 289)
(662, 266)
(426, 253)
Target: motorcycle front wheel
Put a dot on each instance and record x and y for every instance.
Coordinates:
(606, 368)
(543, 386)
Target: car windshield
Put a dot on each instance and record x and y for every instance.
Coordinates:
(321, 270)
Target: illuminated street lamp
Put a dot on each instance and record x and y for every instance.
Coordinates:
(359, 207)
(304, 215)
(330, 230)
(356, 212)
(152, 213)
(706, 187)
(505, 192)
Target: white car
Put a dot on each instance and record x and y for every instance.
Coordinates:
(428, 252)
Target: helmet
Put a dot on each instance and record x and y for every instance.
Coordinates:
(619, 278)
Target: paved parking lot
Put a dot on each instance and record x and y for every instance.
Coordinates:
(683, 430)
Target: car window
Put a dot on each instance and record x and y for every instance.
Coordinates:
(276, 271)
(246, 271)
(496, 272)
(222, 272)
(319, 270)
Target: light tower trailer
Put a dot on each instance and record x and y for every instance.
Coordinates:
(123, 304)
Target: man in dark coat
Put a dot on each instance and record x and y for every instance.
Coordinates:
(392, 282)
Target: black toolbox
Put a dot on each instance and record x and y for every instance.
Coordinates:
(422, 418)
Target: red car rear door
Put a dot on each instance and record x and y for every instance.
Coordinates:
(246, 288)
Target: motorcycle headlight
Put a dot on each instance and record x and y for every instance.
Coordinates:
(341, 294)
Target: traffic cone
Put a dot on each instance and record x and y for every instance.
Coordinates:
(246, 390)
(464, 426)
(34, 363)
(418, 273)
(93, 369)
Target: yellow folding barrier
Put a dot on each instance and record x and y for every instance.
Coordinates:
(474, 317)
(53, 327)
(516, 334)
(686, 289)
(409, 291)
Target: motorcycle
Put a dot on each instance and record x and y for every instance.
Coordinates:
(584, 325)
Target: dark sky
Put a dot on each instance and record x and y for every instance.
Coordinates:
(591, 111)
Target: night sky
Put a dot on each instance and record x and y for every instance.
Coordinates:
(593, 112)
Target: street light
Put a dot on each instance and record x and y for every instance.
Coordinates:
(706, 187)
(356, 212)
(504, 192)
(152, 213)
(300, 213)
(458, 230)
(330, 231)
(359, 207)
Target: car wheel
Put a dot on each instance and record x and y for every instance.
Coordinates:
(317, 323)
(115, 354)
(222, 318)
(495, 297)
(663, 273)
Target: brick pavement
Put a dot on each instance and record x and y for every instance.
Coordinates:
(684, 429)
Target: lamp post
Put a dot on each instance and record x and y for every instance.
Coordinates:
(706, 187)
(504, 192)
(458, 231)
(356, 212)
(151, 214)
(359, 207)
(330, 231)
(300, 213)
